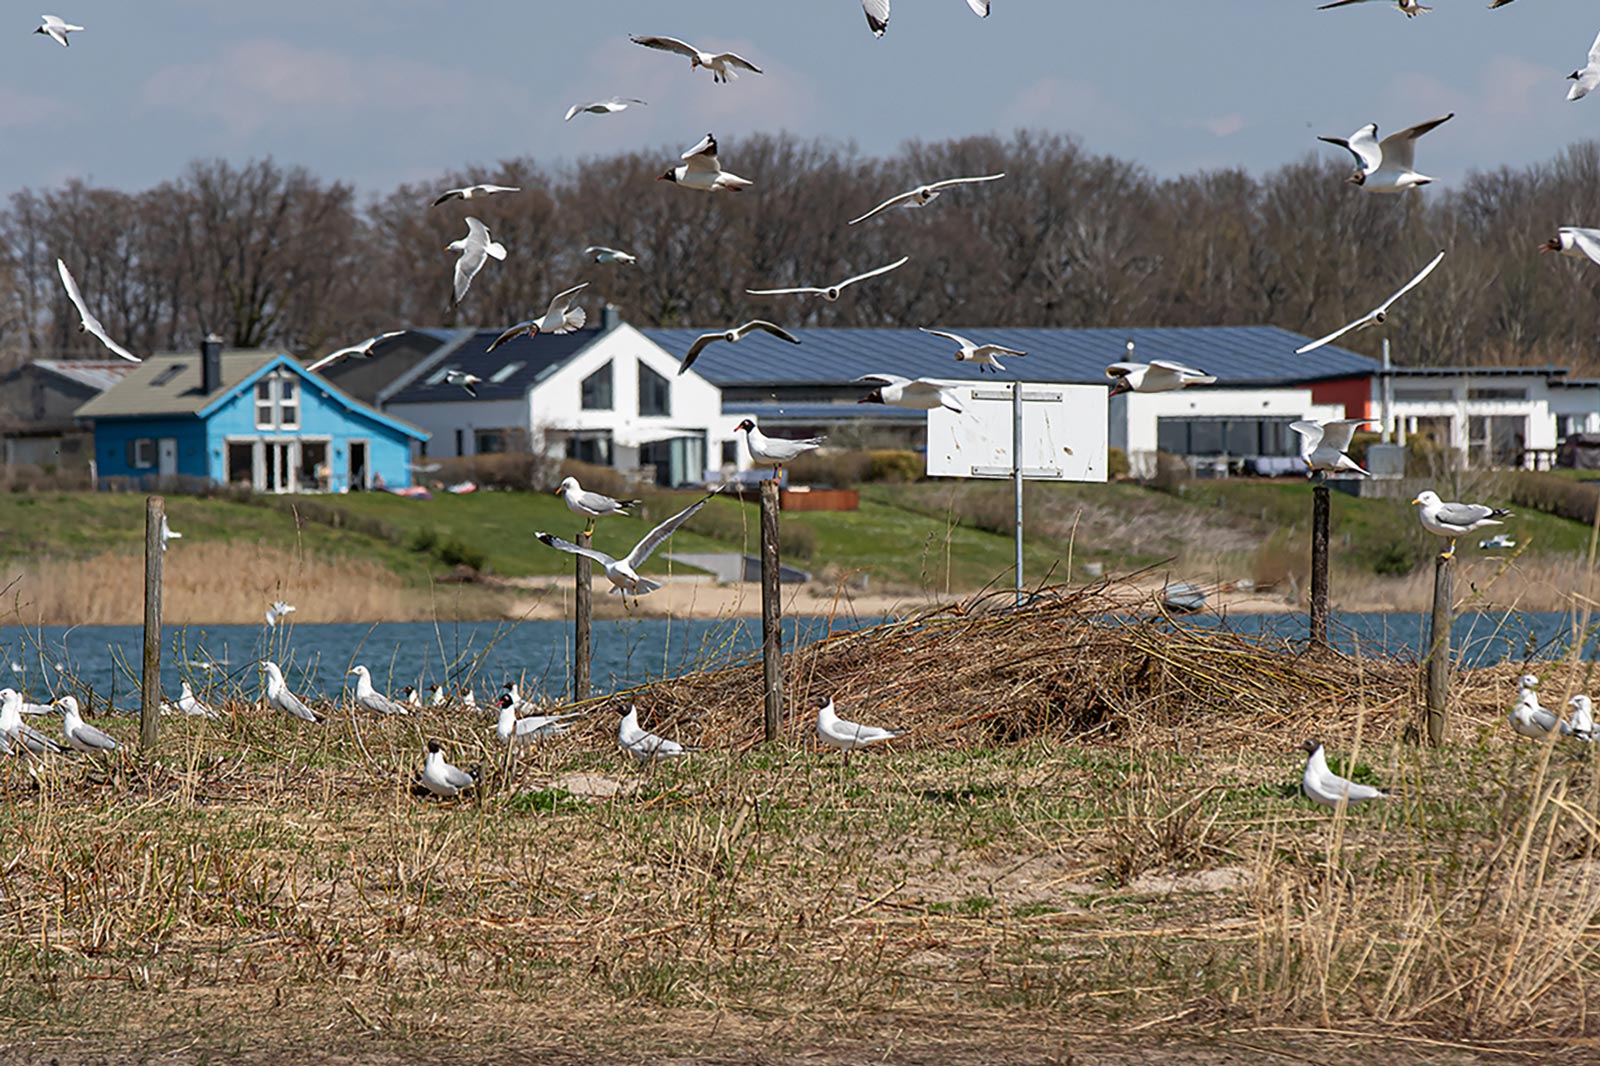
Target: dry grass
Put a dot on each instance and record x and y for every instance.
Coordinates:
(1092, 829)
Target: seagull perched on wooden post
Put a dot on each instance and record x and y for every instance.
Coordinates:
(1454, 520)
(1325, 445)
(624, 573)
(775, 451)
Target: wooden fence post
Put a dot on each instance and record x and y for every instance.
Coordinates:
(1320, 510)
(150, 680)
(771, 611)
(1439, 649)
(583, 608)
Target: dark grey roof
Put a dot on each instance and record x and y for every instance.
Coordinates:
(367, 379)
(529, 360)
(1237, 355)
(1478, 371)
(776, 414)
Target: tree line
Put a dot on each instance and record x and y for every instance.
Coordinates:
(268, 255)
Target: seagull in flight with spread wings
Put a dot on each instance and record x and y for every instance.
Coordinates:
(1389, 165)
(558, 319)
(87, 323)
(603, 107)
(473, 192)
(57, 29)
(724, 66)
(476, 247)
(733, 336)
(1576, 242)
(702, 172)
(356, 351)
(624, 573)
(923, 195)
(1378, 315)
(832, 292)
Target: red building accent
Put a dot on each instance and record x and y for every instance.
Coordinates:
(1354, 393)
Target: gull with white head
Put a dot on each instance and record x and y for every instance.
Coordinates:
(463, 380)
(1325, 446)
(591, 505)
(1452, 520)
(369, 698)
(473, 251)
(923, 195)
(278, 612)
(1528, 716)
(87, 323)
(624, 573)
(80, 735)
(15, 732)
(277, 694)
(168, 533)
(1580, 724)
(608, 256)
(191, 704)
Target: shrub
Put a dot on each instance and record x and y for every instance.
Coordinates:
(1359, 444)
(455, 552)
(1397, 559)
(502, 470)
(1555, 495)
(603, 479)
(832, 469)
(796, 541)
(424, 540)
(1171, 473)
(1116, 463)
(895, 467)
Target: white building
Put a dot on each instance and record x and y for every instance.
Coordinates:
(1491, 416)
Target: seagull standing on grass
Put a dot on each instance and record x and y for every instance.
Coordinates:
(972, 352)
(356, 351)
(1576, 242)
(703, 173)
(642, 744)
(1586, 78)
(1378, 315)
(603, 107)
(1322, 785)
(442, 779)
(732, 336)
(278, 612)
(835, 732)
(278, 695)
(923, 394)
(87, 323)
(369, 698)
(1528, 717)
(520, 731)
(624, 573)
(591, 505)
(1387, 165)
(724, 66)
(774, 451)
(57, 29)
(24, 706)
(609, 256)
(832, 293)
(1581, 721)
(14, 731)
(192, 705)
(558, 319)
(923, 195)
(1454, 520)
(81, 736)
(436, 697)
(475, 248)
(1325, 446)
(473, 192)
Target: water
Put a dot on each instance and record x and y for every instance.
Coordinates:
(485, 655)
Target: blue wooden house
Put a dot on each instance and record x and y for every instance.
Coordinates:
(249, 418)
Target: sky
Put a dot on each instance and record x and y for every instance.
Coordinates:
(377, 92)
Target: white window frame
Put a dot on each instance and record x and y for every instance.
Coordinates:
(144, 453)
(274, 403)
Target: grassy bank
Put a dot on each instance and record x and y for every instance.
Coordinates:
(1104, 855)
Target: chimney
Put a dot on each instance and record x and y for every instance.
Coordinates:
(210, 364)
(610, 318)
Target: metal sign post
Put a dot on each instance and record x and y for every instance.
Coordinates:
(1016, 473)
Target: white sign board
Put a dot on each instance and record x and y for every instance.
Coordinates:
(1063, 432)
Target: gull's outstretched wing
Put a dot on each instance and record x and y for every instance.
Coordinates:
(1337, 434)
(958, 338)
(567, 546)
(1335, 335)
(877, 12)
(902, 261)
(891, 202)
(657, 536)
(952, 182)
(666, 44)
(1401, 148)
(1310, 431)
(559, 304)
(1363, 143)
(767, 327)
(1408, 286)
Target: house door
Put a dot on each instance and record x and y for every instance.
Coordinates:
(281, 457)
(167, 457)
(358, 465)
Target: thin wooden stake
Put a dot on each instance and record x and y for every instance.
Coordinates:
(583, 609)
(1439, 649)
(1320, 511)
(771, 611)
(150, 680)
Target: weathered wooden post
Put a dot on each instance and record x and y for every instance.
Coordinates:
(1439, 649)
(771, 611)
(150, 680)
(583, 607)
(1320, 510)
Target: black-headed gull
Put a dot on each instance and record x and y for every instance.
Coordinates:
(168, 533)
(774, 451)
(80, 735)
(1410, 8)
(14, 731)
(87, 323)
(702, 172)
(1452, 520)
(599, 253)
(724, 66)
(1378, 315)
(1325, 445)
(973, 352)
(278, 695)
(1528, 717)
(845, 736)
(356, 351)
(603, 107)
(1387, 165)
(1576, 242)
(922, 394)
(436, 696)
(473, 192)
(1322, 785)
(476, 247)
(278, 612)
(457, 376)
(513, 730)
(57, 29)
(923, 195)
(369, 698)
(442, 779)
(591, 505)
(1158, 375)
(642, 744)
(558, 319)
(192, 705)
(1588, 76)
(733, 336)
(624, 573)
(831, 292)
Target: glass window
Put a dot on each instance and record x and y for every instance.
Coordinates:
(142, 453)
(488, 442)
(1172, 436)
(597, 390)
(655, 393)
(591, 448)
(288, 402)
(264, 404)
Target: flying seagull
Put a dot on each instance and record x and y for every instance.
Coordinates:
(642, 744)
(442, 779)
(369, 698)
(475, 247)
(624, 573)
(1321, 785)
(1452, 520)
(1387, 165)
(1575, 241)
(609, 256)
(279, 696)
(1588, 76)
(832, 292)
(1411, 8)
(702, 172)
(87, 323)
(603, 107)
(278, 612)
(591, 505)
(877, 12)
(467, 381)
(923, 195)
(923, 394)
(1325, 446)
(559, 318)
(972, 352)
(1378, 315)
(724, 66)
(473, 192)
(57, 29)
(80, 735)
(1158, 375)
(357, 351)
(733, 336)
(774, 451)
